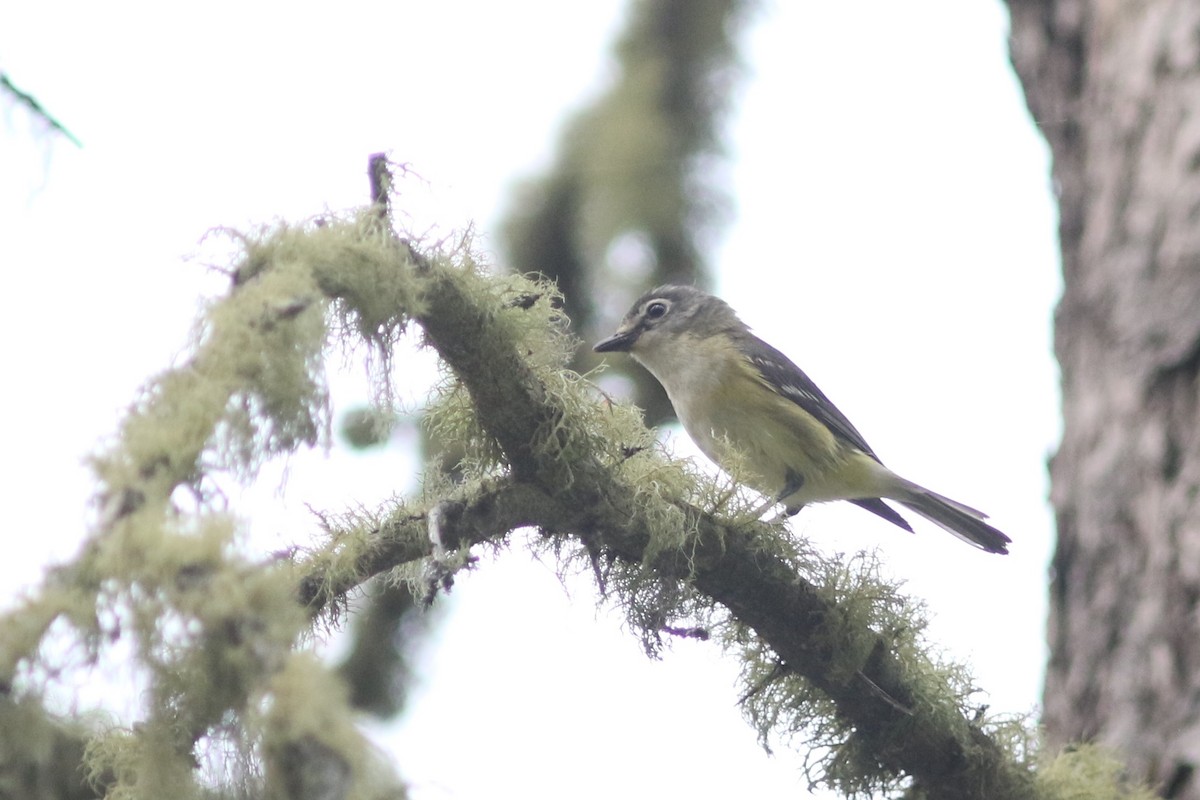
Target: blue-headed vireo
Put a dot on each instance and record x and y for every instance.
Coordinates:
(749, 408)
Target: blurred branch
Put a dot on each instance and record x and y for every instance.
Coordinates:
(385, 634)
(30, 102)
(637, 165)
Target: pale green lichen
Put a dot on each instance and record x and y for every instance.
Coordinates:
(211, 628)
(309, 737)
(456, 436)
(868, 607)
(1087, 772)
(140, 764)
(353, 261)
(218, 635)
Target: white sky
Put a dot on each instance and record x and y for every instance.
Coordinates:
(894, 234)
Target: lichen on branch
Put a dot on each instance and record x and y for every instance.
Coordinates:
(830, 650)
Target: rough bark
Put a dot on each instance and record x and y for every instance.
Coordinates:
(1115, 85)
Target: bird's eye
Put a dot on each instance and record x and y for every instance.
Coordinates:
(656, 309)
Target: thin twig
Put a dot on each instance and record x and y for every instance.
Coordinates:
(31, 102)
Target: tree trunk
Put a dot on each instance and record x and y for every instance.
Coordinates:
(1115, 87)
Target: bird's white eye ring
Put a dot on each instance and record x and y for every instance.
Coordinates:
(656, 309)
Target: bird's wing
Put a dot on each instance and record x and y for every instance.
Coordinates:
(778, 371)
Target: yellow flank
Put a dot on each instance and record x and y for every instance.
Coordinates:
(757, 434)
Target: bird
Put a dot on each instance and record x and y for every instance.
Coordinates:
(760, 417)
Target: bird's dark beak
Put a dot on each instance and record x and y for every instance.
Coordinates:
(619, 342)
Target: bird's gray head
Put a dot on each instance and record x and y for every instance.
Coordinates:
(669, 312)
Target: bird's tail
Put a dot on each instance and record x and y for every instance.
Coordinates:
(963, 521)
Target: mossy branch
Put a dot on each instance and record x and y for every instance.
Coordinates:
(830, 651)
(881, 699)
